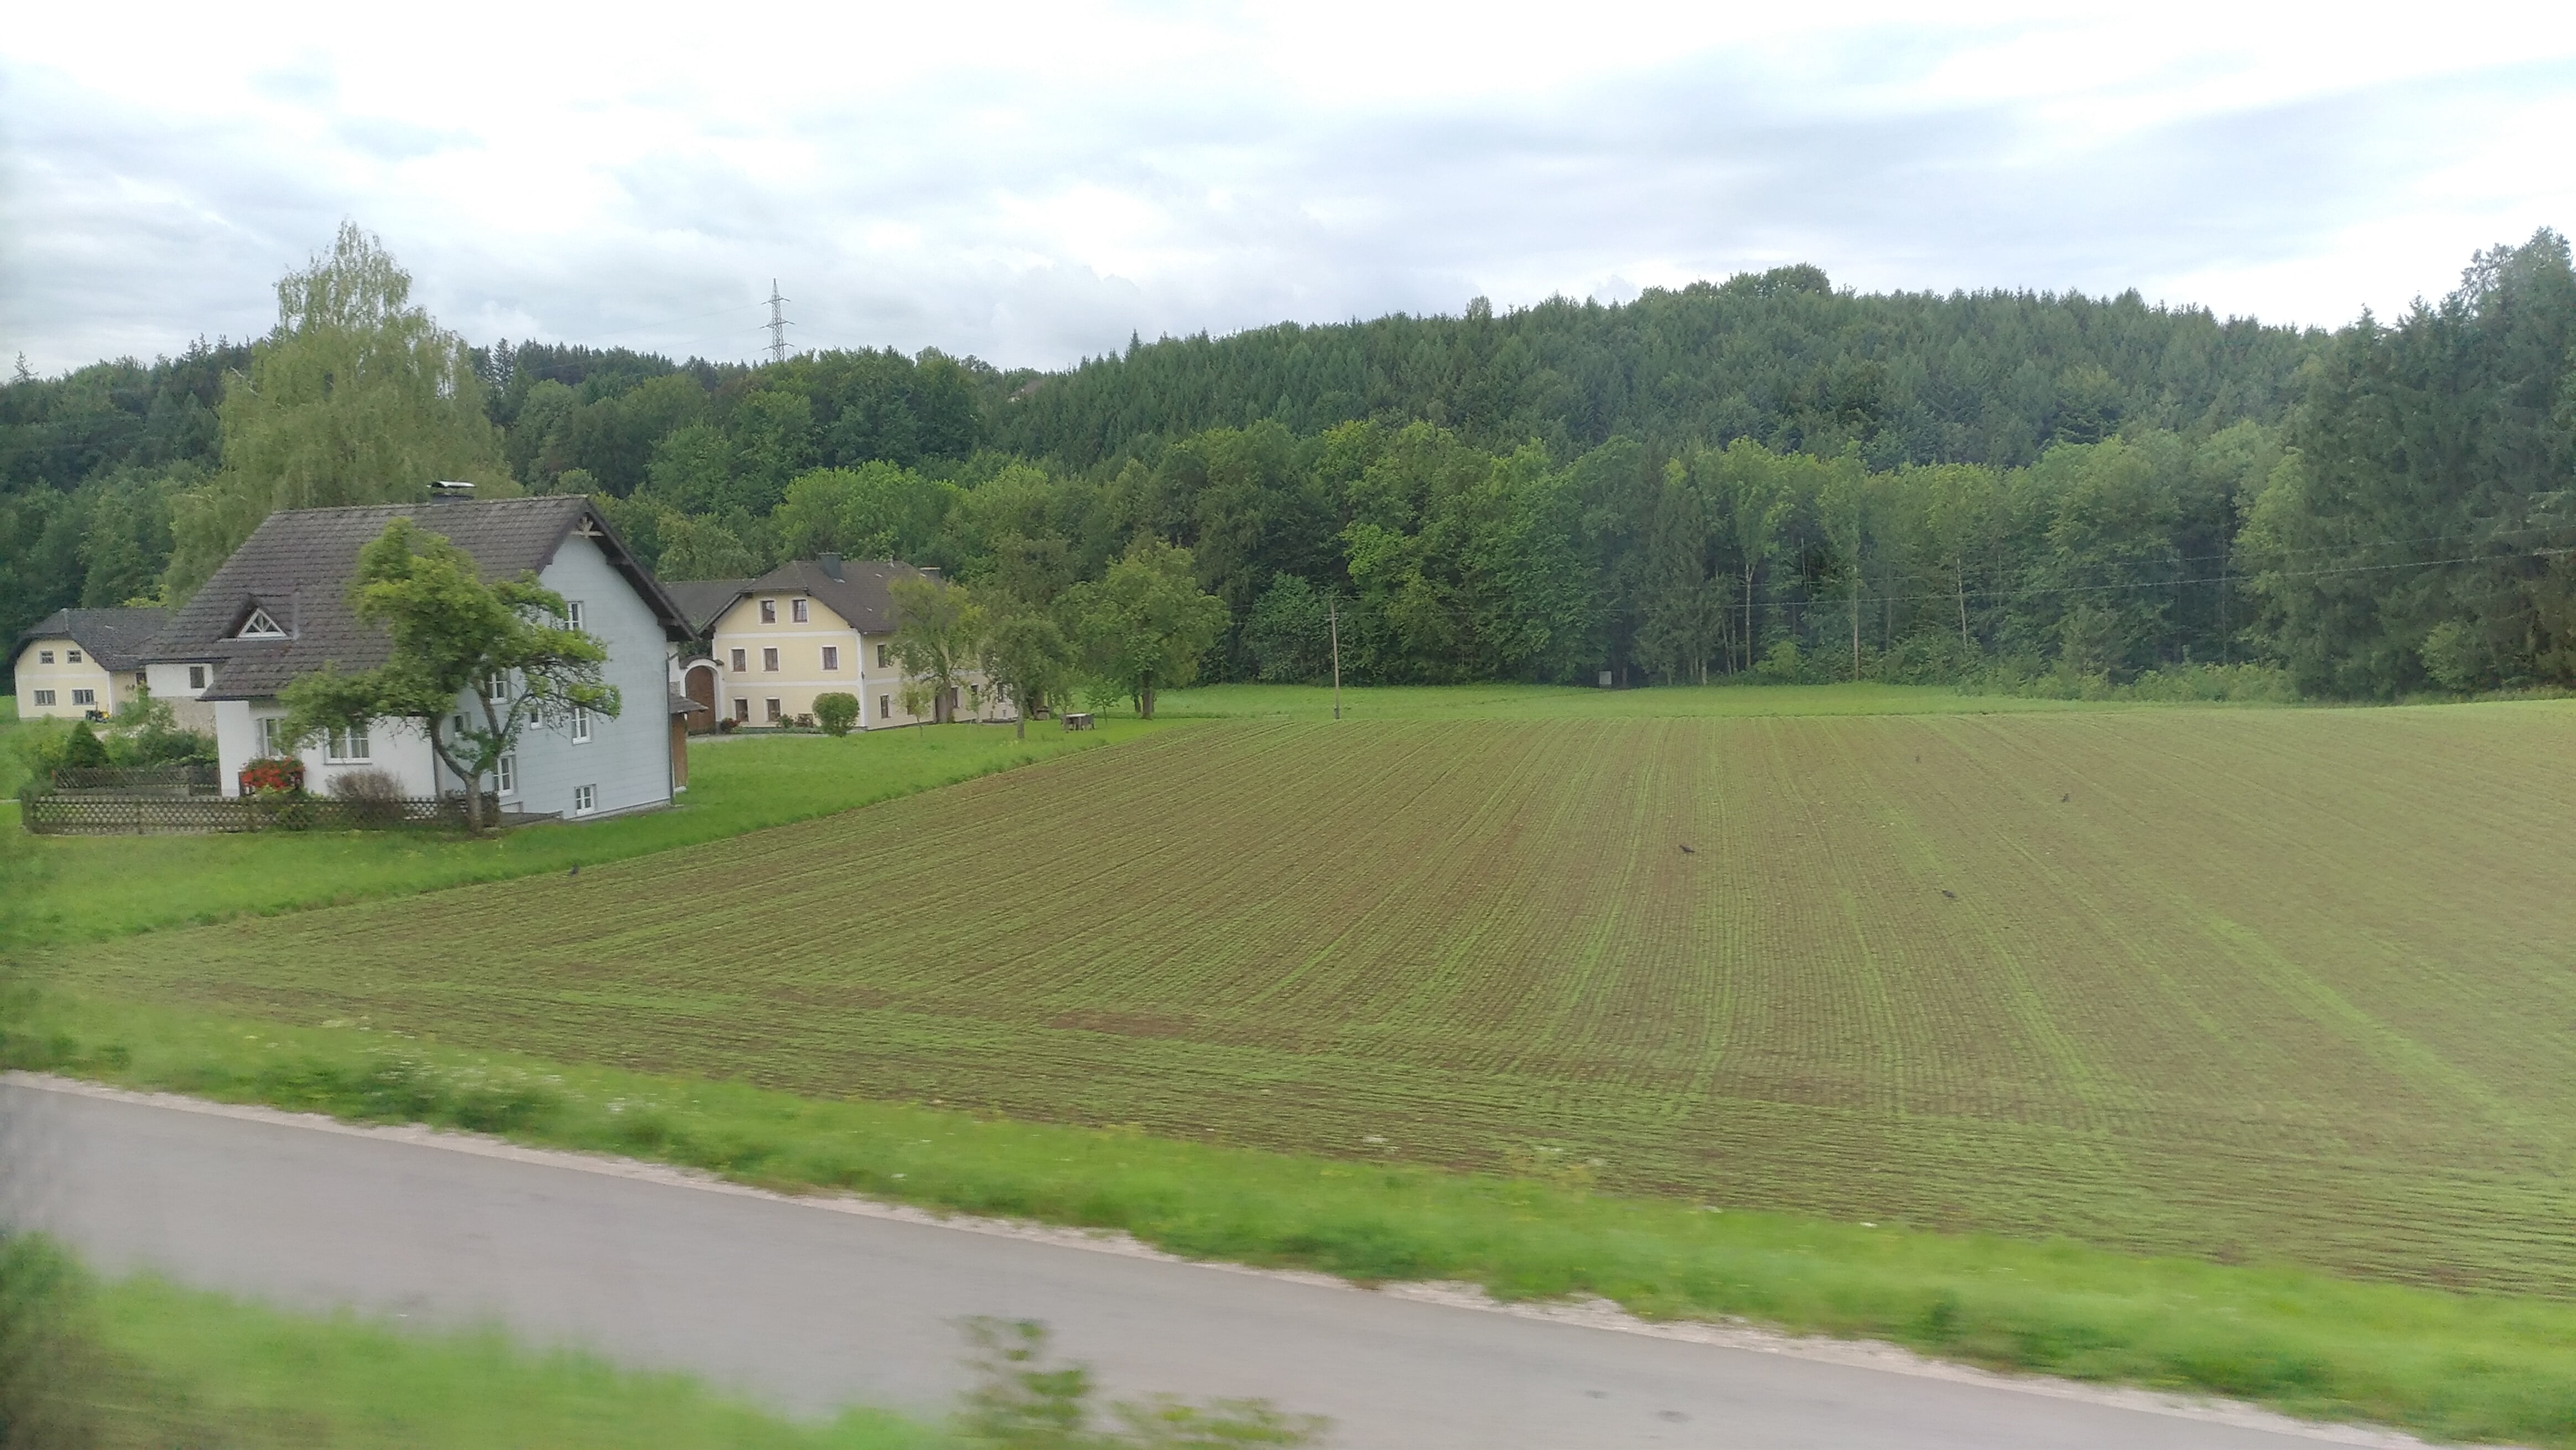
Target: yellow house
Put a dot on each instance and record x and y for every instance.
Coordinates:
(816, 627)
(77, 664)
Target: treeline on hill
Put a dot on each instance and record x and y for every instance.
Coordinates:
(1764, 478)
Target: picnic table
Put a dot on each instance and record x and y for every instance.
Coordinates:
(1077, 720)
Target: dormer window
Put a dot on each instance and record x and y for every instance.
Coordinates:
(260, 626)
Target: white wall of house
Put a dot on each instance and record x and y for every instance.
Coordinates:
(183, 686)
(57, 679)
(397, 747)
(626, 761)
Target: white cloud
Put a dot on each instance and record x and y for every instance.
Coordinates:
(1032, 183)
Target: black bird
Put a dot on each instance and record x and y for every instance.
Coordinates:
(2067, 797)
(1951, 894)
(1687, 851)
(575, 871)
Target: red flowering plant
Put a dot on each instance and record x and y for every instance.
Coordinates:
(282, 775)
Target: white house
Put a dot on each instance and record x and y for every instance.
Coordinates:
(84, 664)
(279, 608)
(812, 627)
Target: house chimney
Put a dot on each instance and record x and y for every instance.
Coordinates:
(831, 566)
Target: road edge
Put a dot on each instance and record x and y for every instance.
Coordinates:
(1600, 1314)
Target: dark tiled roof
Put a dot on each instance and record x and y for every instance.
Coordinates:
(683, 705)
(702, 600)
(298, 565)
(119, 639)
(857, 592)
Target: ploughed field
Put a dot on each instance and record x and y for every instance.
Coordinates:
(2242, 984)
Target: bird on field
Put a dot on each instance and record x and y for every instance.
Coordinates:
(1950, 894)
(575, 871)
(2068, 796)
(1687, 851)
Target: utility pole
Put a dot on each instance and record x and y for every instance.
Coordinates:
(1333, 619)
(778, 324)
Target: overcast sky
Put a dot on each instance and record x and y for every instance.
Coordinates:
(1034, 184)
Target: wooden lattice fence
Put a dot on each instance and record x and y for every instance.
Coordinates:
(138, 779)
(91, 813)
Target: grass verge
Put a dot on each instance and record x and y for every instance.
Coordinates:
(2455, 1366)
(141, 1362)
(85, 888)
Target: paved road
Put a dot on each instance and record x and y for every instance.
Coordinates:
(805, 1307)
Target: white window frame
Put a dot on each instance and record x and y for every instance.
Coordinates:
(800, 611)
(885, 708)
(885, 657)
(831, 659)
(742, 662)
(45, 698)
(769, 661)
(44, 656)
(506, 774)
(585, 799)
(196, 677)
(348, 747)
(84, 697)
(259, 626)
(581, 725)
(742, 710)
(71, 657)
(573, 613)
(773, 714)
(769, 611)
(270, 747)
(496, 687)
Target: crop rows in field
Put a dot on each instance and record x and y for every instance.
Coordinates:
(2290, 983)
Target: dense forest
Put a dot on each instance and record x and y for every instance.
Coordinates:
(1764, 478)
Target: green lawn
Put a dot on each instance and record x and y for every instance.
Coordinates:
(168, 1366)
(82, 888)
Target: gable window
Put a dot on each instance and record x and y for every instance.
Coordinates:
(573, 613)
(496, 687)
(71, 657)
(44, 697)
(585, 799)
(773, 712)
(260, 626)
(737, 661)
(769, 660)
(769, 611)
(84, 697)
(796, 610)
(885, 708)
(44, 656)
(196, 677)
(885, 657)
(742, 711)
(508, 773)
(348, 745)
(831, 658)
(270, 745)
(581, 725)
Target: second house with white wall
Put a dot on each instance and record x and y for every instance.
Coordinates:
(814, 627)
